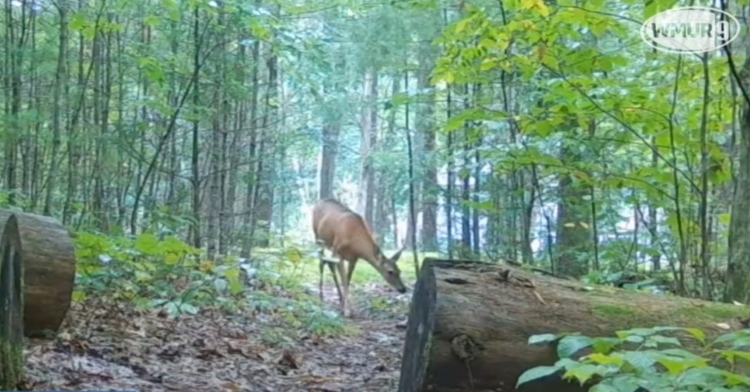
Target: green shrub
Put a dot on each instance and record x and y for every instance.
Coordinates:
(647, 366)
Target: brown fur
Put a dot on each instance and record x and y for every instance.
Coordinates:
(354, 241)
(348, 236)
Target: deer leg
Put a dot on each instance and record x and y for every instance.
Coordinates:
(352, 265)
(321, 268)
(345, 288)
(335, 280)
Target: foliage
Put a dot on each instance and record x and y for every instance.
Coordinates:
(154, 272)
(650, 358)
(164, 273)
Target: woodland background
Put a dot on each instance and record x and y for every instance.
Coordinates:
(548, 135)
(541, 133)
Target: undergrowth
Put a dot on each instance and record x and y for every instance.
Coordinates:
(165, 273)
(651, 359)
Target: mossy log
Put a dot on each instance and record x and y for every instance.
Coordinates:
(11, 321)
(48, 256)
(470, 322)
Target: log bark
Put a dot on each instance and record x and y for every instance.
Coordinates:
(470, 322)
(11, 321)
(48, 257)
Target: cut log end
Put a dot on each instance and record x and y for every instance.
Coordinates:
(11, 320)
(48, 256)
(418, 333)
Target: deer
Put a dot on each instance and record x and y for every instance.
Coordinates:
(346, 234)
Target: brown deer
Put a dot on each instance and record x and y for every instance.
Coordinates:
(345, 233)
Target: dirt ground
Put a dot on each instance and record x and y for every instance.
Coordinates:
(119, 348)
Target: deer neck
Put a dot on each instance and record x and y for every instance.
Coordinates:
(374, 256)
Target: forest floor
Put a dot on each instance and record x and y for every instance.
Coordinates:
(117, 347)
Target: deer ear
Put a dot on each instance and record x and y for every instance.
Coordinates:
(397, 255)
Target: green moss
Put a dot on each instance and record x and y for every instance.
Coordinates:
(684, 315)
(11, 365)
(616, 312)
(716, 312)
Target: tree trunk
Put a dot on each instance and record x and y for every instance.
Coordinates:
(477, 181)
(381, 222)
(451, 178)
(573, 217)
(11, 321)
(430, 189)
(266, 185)
(369, 127)
(248, 220)
(195, 155)
(738, 268)
(329, 150)
(61, 80)
(465, 175)
(486, 313)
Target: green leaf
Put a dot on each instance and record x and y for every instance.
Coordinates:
(147, 243)
(78, 295)
(235, 286)
(731, 336)
(78, 22)
(734, 379)
(601, 387)
(697, 333)
(605, 345)
(619, 383)
(142, 276)
(571, 344)
(220, 284)
(678, 352)
(172, 309)
(653, 7)
(640, 360)
(461, 25)
(676, 365)
(658, 339)
(535, 374)
(599, 359)
(733, 353)
(543, 338)
(188, 308)
(581, 373)
(151, 20)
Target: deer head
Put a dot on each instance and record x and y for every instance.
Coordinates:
(388, 269)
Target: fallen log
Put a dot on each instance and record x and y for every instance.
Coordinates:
(469, 324)
(11, 318)
(48, 256)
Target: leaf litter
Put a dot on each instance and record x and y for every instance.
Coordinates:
(118, 347)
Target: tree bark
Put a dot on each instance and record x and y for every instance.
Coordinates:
(11, 324)
(738, 286)
(266, 191)
(61, 79)
(573, 236)
(329, 151)
(369, 126)
(470, 322)
(430, 188)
